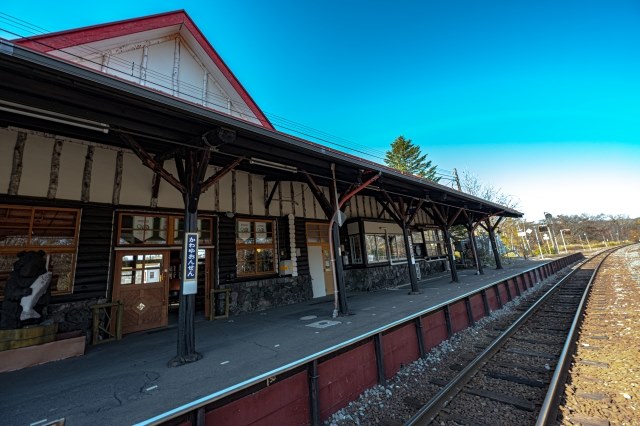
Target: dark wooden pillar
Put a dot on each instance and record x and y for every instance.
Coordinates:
(191, 167)
(450, 256)
(332, 208)
(404, 217)
(474, 249)
(492, 238)
(445, 218)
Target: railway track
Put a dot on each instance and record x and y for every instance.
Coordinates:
(508, 380)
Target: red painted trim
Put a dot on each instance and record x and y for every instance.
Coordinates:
(64, 39)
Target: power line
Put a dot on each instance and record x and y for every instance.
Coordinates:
(120, 66)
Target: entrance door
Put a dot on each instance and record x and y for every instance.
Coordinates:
(141, 284)
(319, 259)
(316, 269)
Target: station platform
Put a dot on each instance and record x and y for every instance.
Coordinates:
(128, 381)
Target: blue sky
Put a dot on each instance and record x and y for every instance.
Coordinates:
(540, 99)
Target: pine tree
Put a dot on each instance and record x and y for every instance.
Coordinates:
(407, 158)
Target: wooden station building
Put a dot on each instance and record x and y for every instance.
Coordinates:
(116, 138)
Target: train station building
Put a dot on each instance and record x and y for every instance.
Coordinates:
(118, 140)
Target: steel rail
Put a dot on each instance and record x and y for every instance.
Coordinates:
(549, 409)
(430, 411)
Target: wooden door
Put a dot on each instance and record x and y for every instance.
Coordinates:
(141, 284)
(328, 271)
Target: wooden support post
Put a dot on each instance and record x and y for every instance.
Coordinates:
(492, 238)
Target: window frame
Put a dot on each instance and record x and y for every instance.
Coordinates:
(71, 248)
(172, 230)
(254, 245)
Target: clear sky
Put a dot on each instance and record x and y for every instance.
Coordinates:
(540, 99)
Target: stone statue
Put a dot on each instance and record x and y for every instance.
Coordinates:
(29, 280)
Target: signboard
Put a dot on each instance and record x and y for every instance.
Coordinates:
(190, 262)
(522, 234)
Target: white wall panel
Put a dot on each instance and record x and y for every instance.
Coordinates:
(225, 193)
(207, 199)
(190, 76)
(7, 143)
(103, 174)
(242, 193)
(160, 66)
(258, 195)
(136, 181)
(308, 200)
(72, 162)
(168, 196)
(215, 98)
(126, 65)
(36, 166)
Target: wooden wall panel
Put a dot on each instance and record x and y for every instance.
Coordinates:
(343, 378)
(400, 348)
(92, 266)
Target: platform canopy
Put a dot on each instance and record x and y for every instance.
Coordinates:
(68, 94)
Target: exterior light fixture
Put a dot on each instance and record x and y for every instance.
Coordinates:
(273, 165)
(55, 117)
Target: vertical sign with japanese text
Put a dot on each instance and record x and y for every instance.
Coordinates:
(190, 262)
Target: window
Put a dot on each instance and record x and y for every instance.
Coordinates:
(141, 269)
(434, 242)
(55, 231)
(143, 229)
(146, 229)
(255, 247)
(376, 246)
(356, 249)
(419, 249)
(396, 247)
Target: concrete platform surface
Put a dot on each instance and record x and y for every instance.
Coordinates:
(128, 381)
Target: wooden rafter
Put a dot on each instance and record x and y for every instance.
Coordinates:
(149, 161)
(325, 205)
(220, 173)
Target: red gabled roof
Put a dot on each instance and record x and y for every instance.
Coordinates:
(64, 39)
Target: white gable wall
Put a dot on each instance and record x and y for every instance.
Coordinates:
(152, 62)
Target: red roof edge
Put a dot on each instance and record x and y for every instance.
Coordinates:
(64, 39)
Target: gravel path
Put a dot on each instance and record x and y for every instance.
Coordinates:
(604, 381)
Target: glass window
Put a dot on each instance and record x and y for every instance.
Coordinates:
(143, 229)
(434, 242)
(205, 230)
(396, 247)
(356, 249)
(376, 246)
(141, 269)
(255, 247)
(317, 233)
(54, 231)
(417, 238)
